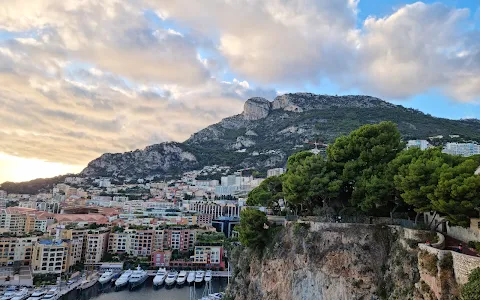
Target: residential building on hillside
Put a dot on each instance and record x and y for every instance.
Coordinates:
(422, 144)
(275, 172)
(210, 256)
(96, 245)
(161, 258)
(77, 239)
(3, 194)
(50, 256)
(142, 243)
(463, 149)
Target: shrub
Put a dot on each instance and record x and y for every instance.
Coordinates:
(470, 291)
(429, 261)
(446, 263)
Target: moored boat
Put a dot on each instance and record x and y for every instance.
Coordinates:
(9, 293)
(182, 277)
(51, 294)
(159, 278)
(123, 279)
(21, 295)
(171, 278)
(106, 277)
(191, 277)
(88, 282)
(138, 278)
(199, 277)
(37, 294)
(208, 276)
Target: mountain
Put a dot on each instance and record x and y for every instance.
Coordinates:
(266, 133)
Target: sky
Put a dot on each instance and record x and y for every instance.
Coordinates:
(82, 78)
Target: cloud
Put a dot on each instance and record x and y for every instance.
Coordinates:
(80, 78)
(273, 41)
(417, 48)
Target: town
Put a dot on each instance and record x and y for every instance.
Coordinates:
(87, 226)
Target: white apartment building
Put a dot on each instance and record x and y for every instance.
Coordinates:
(3, 194)
(275, 172)
(13, 221)
(422, 144)
(208, 254)
(463, 149)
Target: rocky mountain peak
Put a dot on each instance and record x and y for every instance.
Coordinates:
(256, 108)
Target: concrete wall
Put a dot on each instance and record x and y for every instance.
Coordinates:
(463, 264)
(460, 233)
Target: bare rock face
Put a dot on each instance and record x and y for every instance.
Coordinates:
(328, 261)
(256, 108)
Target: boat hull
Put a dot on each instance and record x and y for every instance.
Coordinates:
(135, 284)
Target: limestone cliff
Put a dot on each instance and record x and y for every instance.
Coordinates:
(323, 261)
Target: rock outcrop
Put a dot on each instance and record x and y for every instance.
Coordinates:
(329, 261)
(256, 108)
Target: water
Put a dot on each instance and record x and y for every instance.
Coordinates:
(145, 292)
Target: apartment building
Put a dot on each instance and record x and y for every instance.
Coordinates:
(24, 249)
(463, 149)
(275, 172)
(181, 238)
(50, 256)
(77, 238)
(119, 242)
(16, 249)
(208, 255)
(421, 144)
(142, 243)
(36, 223)
(96, 244)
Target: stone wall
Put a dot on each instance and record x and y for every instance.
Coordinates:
(463, 264)
(460, 233)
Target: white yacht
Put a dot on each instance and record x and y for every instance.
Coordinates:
(182, 277)
(37, 294)
(88, 282)
(208, 276)
(51, 294)
(159, 278)
(199, 276)
(9, 293)
(171, 278)
(123, 279)
(21, 295)
(106, 277)
(191, 277)
(138, 277)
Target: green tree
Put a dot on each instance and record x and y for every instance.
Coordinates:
(457, 194)
(310, 182)
(361, 158)
(267, 193)
(252, 231)
(417, 180)
(471, 290)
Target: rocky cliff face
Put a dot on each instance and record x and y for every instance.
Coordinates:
(329, 262)
(156, 159)
(266, 133)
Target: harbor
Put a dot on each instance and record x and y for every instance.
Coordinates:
(180, 285)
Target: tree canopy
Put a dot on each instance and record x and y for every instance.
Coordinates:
(252, 231)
